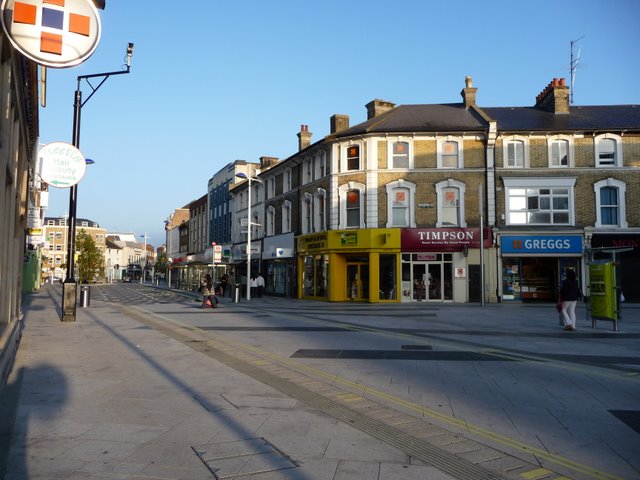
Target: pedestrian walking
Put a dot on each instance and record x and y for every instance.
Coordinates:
(209, 299)
(254, 286)
(570, 292)
(260, 284)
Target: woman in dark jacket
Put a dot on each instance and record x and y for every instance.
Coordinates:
(569, 294)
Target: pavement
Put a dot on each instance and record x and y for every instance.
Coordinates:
(121, 395)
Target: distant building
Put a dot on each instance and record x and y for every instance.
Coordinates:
(56, 232)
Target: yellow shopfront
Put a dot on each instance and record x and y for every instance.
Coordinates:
(349, 265)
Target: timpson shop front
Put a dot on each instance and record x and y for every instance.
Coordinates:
(390, 265)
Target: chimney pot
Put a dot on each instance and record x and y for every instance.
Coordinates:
(304, 137)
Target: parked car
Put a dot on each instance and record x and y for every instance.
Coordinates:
(53, 279)
(126, 278)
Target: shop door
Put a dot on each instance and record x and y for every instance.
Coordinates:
(357, 281)
(434, 281)
(427, 281)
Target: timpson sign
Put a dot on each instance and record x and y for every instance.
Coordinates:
(443, 239)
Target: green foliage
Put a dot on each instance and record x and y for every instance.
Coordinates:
(161, 263)
(90, 259)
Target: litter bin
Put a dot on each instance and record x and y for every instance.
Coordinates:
(85, 296)
(236, 293)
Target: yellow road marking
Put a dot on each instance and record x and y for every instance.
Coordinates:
(537, 473)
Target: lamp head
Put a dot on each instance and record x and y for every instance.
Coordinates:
(129, 54)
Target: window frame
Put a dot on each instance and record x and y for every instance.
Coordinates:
(307, 213)
(618, 160)
(554, 139)
(342, 194)
(505, 151)
(622, 210)
(462, 190)
(391, 188)
(271, 221)
(286, 216)
(391, 155)
(539, 183)
(320, 210)
(344, 164)
(439, 151)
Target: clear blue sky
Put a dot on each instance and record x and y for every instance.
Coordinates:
(214, 81)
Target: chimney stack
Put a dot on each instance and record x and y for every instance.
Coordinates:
(339, 123)
(378, 107)
(468, 93)
(304, 137)
(267, 162)
(555, 97)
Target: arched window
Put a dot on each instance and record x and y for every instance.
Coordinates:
(401, 204)
(450, 153)
(608, 150)
(560, 150)
(451, 212)
(351, 205)
(610, 203)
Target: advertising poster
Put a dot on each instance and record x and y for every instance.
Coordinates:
(603, 290)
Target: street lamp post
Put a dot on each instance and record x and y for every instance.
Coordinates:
(144, 264)
(249, 225)
(167, 227)
(70, 286)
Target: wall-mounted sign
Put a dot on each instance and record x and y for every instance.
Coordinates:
(443, 239)
(62, 164)
(53, 33)
(541, 244)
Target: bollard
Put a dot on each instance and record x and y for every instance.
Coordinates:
(85, 296)
(236, 293)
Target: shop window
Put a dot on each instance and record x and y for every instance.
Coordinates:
(387, 277)
(401, 204)
(542, 201)
(610, 205)
(315, 276)
(451, 211)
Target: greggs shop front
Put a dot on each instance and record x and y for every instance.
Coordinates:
(388, 265)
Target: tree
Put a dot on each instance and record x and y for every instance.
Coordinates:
(90, 258)
(161, 263)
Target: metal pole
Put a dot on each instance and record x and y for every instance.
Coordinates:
(70, 286)
(249, 224)
(480, 209)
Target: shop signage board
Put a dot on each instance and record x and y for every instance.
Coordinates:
(443, 239)
(63, 165)
(541, 244)
(53, 33)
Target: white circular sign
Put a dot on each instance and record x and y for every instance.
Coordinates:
(54, 33)
(62, 165)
